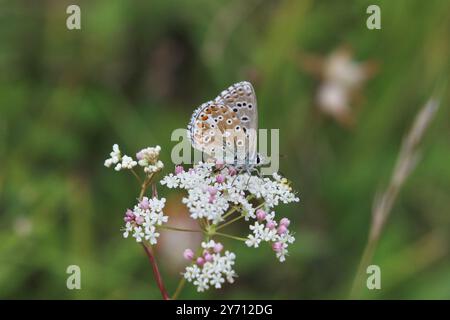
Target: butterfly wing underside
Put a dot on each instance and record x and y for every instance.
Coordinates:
(227, 126)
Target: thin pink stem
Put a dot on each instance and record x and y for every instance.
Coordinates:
(156, 272)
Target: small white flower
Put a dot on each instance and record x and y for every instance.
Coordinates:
(138, 234)
(128, 162)
(115, 156)
(252, 241)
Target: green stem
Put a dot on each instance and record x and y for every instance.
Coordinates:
(179, 288)
(136, 175)
(145, 185)
(260, 206)
(229, 222)
(230, 236)
(232, 210)
(178, 229)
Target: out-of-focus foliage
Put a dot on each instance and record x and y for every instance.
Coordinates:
(137, 69)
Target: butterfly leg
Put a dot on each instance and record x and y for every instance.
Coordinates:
(249, 176)
(237, 173)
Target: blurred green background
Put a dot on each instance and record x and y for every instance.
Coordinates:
(137, 69)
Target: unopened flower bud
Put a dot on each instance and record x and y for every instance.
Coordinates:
(188, 254)
(260, 215)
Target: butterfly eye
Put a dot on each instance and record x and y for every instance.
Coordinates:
(235, 109)
(206, 139)
(245, 119)
(244, 129)
(239, 105)
(240, 143)
(220, 118)
(211, 133)
(237, 128)
(249, 106)
(229, 121)
(244, 104)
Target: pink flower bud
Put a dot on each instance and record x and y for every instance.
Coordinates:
(277, 246)
(219, 164)
(220, 178)
(179, 169)
(140, 220)
(211, 199)
(271, 225)
(140, 155)
(200, 261)
(260, 215)
(212, 190)
(282, 229)
(208, 257)
(232, 171)
(285, 222)
(188, 254)
(129, 213)
(218, 247)
(144, 204)
(129, 216)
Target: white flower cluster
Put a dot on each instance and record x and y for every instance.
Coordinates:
(121, 162)
(211, 269)
(148, 158)
(212, 191)
(142, 221)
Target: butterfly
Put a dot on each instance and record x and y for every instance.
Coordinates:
(225, 128)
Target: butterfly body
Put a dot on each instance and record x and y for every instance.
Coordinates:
(226, 128)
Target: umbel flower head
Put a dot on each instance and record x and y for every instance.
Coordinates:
(216, 196)
(214, 192)
(148, 158)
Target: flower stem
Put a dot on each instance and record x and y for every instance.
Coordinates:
(260, 206)
(229, 222)
(232, 210)
(148, 249)
(179, 288)
(179, 229)
(144, 186)
(230, 236)
(156, 273)
(136, 175)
